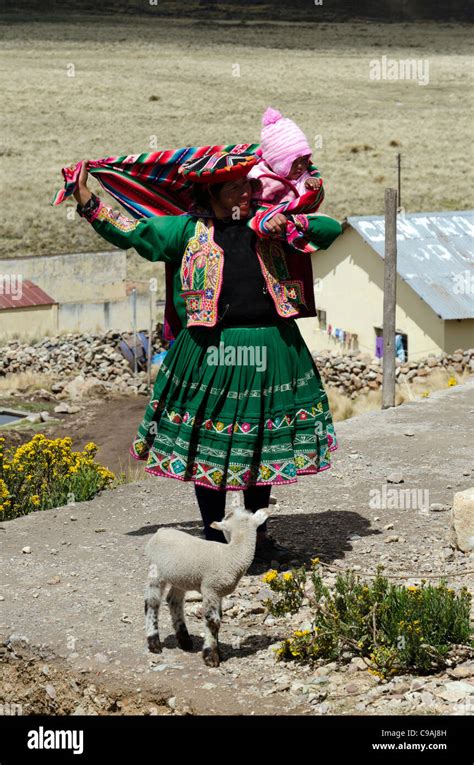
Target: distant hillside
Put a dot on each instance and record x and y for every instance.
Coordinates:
(247, 10)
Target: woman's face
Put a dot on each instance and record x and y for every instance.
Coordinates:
(235, 195)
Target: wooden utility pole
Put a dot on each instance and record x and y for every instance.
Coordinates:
(150, 337)
(389, 299)
(134, 328)
(399, 176)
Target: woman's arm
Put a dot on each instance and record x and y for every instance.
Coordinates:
(157, 238)
(322, 230)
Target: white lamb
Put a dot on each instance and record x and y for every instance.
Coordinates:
(189, 563)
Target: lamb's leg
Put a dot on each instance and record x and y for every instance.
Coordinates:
(175, 600)
(153, 594)
(212, 612)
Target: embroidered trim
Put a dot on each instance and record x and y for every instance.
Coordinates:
(238, 476)
(248, 392)
(143, 450)
(201, 272)
(116, 218)
(275, 272)
(278, 423)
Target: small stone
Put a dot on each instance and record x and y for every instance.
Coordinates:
(323, 708)
(54, 580)
(51, 691)
(208, 686)
(358, 664)
(388, 526)
(456, 690)
(26, 550)
(438, 507)
(352, 688)
(395, 478)
(73, 518)
(408, 433)
(62, 409)
(462, 671)
(391, 538)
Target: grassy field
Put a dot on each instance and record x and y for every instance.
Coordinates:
(163, 83)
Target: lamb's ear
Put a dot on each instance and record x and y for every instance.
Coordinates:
(219, 525)
(260, 516)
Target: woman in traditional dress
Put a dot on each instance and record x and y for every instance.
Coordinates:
(238, 402)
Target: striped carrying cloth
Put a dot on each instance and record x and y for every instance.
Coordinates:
(149, 184)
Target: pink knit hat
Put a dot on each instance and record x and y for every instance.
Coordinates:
(282, 142)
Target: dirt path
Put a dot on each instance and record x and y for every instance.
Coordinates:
(110, 422)
(78, 596)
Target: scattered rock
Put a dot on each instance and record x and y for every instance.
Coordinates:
(462, 520)
(395, 478)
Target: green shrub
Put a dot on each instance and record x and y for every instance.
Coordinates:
(396, 629)
(45, 473)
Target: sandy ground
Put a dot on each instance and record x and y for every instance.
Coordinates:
(110, 422)
(95, 89)
(77, 598)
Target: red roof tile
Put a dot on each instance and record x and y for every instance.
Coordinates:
(31, 295)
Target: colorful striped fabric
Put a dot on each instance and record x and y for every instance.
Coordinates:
(149, 184)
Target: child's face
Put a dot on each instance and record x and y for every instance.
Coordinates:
(298, 167)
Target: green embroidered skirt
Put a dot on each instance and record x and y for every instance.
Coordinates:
(234, 407)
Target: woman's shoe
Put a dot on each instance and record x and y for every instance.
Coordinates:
(268, 550)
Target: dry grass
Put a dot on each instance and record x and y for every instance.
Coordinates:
(25, 382)
(172, 81)
(342, 407)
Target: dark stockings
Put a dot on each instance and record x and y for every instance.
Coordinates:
(212, 506)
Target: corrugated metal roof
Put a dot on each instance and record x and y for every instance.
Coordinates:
(30, 295)
(435, 256)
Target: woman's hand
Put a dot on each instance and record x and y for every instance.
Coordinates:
(82, 193)
(276, 225)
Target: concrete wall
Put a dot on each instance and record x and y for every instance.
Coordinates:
(459, 333)
(34, 323)
(27, 324)
(349, 287)
(85, 276)
(91, 289)
(102, 316)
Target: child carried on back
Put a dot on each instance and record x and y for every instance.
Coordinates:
(285, 171)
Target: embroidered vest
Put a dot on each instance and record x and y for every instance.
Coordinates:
(288, 279)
